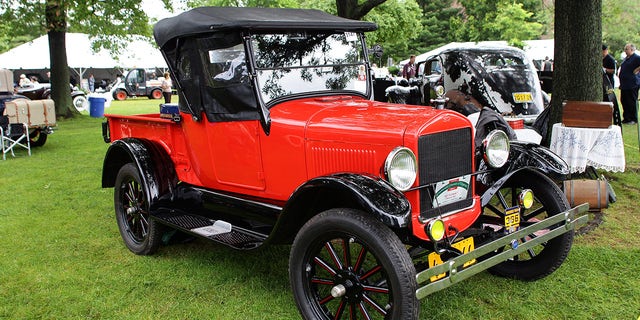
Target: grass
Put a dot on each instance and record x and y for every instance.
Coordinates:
(61, 256)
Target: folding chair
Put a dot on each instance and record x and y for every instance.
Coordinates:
(13, 135)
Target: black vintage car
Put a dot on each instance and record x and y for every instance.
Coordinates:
(39, 91)
(473, 77)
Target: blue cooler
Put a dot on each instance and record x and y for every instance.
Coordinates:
(96, 106)
(169, 111)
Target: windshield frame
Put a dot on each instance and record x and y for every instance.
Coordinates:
(254, 69)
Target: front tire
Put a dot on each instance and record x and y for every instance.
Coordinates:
(346, 265)
(544, 259)
(141, 234)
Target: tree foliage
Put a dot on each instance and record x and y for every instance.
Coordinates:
(437, 29)
(620, 24)
(482, 20)
(18, 24)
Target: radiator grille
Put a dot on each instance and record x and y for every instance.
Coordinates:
(441, 156)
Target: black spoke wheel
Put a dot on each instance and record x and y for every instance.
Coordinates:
(37, 138)
(346, 265)
(141, 234)
(543, 259)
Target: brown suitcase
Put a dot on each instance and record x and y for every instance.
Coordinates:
(35, 113)
(587, 114)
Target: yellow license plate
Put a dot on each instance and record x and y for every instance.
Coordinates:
(465, 246)
(522, 97)
(512, 217)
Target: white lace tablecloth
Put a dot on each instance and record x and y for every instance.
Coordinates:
(582, 147)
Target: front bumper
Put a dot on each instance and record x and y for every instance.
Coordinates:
(565, 221)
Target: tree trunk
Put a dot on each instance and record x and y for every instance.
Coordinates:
(352, 10)
(577, 65)
(56, 21)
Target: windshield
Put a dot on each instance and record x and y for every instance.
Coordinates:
(299, 63)
(501, 60)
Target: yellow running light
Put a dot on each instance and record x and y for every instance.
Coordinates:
(435, 230)
(526, 198)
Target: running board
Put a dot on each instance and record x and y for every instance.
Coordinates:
(217, 230)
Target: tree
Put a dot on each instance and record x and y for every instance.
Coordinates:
(620, 24)
(354, 9)
(577, 73)
(513, 21)
(398, 28)
(437, 29)
(56, 18)
(111, 22)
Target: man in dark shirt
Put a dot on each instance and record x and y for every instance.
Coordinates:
(629, 84)
(409, 69)
(608, 64)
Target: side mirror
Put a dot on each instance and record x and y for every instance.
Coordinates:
(376, 51)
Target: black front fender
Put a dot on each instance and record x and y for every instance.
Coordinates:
(534, 155)
(153, 163)
(532, 172)
(369, 194)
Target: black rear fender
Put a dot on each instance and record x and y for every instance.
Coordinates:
(369, 194)
(154, 164)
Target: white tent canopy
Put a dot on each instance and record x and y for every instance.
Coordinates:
(80, 55)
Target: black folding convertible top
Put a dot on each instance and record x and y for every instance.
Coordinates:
(211, 19)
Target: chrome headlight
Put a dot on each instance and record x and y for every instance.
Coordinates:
(439, 91)
(495, 148)
(400, 168)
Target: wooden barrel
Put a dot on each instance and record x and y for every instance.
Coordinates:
(592, 191)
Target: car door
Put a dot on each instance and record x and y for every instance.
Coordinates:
(135, 82)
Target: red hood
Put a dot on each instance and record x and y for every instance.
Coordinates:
(358, 119)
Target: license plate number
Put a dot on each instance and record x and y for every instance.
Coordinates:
(512, 219)
(465, 246)
(522, 97)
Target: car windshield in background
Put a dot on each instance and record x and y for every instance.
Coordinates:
(299, 63)
(498, 61)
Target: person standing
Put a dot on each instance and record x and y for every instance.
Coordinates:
(629, 84)
(409, 69)
(92, 83)
(166, 87)
(547, 65)
(608, 64)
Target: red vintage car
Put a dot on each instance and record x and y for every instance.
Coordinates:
(276, 140)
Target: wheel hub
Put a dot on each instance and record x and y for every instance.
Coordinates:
(131, 211)
(347, 286)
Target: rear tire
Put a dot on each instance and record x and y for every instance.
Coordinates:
(156, 94)
(141, 234)
(544, 259)
(120, 95)
(346, 265)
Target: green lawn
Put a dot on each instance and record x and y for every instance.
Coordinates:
(61, 256)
